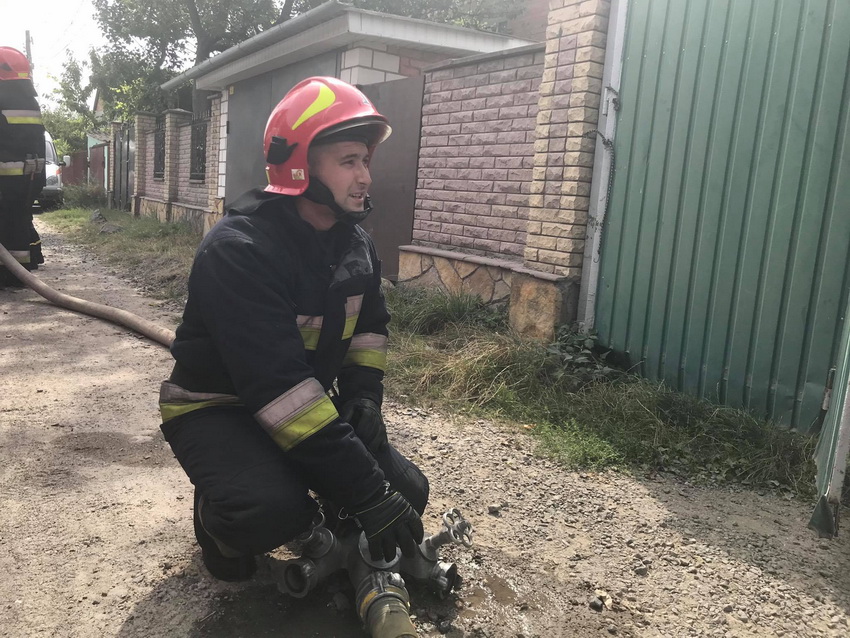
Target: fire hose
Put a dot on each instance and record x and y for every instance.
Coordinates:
(382, 600)
(124, 318)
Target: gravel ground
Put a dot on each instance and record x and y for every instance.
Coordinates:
(95, 515)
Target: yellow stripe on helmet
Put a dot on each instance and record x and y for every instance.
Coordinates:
(324, 100)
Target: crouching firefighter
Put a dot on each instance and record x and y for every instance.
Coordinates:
(22, 173)
(280, 356)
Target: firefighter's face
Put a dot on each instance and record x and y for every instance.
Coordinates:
(344, 168)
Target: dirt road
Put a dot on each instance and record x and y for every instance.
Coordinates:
(95, 515)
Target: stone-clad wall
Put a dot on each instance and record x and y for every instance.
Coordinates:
(477, 153)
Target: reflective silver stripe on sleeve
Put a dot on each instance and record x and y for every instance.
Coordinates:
(369, 341)
(171, 392)
(290, 403)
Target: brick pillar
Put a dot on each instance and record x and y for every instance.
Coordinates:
(568, 111)
(145, 125)
(114, 128)
(174, 118)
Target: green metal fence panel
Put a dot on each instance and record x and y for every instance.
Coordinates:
(724, 263)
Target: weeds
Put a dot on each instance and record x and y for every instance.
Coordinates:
(156, 255)
(587, 413)
(84, 195)
(457, 352)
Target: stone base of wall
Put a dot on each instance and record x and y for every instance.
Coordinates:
(537, 302)
(200, 219)
(192, 215)
(539, 306)
(488, 279)
(149, 207)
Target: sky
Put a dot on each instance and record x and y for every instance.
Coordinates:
(58, 29)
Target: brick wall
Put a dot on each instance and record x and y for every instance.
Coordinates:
(190, 192)
(382, 63)
(153, 187)
(567, 116)
(176, 196)
(477, 153)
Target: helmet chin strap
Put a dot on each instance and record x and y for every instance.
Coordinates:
(319, 193)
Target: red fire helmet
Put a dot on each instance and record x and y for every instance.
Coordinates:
(13, 65)
(315, 108)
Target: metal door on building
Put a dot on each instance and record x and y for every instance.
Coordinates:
(394, 168)
(724, 261)
(123, 167)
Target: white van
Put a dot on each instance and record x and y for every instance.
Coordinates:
(53, 193)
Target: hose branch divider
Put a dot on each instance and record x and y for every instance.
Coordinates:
(382, 600)
(124, 318)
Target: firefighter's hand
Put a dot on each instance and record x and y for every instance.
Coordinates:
(389, 521)
(365, 417)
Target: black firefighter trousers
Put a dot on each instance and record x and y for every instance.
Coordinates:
(255, 499)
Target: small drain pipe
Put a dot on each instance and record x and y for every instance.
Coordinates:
(382, 600)
(136, 323)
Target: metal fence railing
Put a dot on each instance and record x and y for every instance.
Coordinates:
(159, 149)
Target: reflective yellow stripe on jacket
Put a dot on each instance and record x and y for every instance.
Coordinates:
(11, 168)
(367, 349)
(310, 327)
(175, 401)
(18, 116)
(352, 314)
(298, 413)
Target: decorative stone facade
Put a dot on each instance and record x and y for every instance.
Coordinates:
(484, 277)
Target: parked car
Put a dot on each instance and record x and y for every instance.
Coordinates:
(53, 193)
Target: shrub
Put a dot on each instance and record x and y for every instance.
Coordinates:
(88, 195)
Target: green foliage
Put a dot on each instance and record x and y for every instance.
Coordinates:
(426, 311)
(67, 129)
(85, 195)
(128, 81)
(587, 414)
(485, 15)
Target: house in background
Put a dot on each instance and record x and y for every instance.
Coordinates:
(187, 165)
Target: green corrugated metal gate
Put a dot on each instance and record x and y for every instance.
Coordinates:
(724, 263)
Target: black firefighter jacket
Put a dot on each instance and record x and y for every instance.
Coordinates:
(276, 312)
(21, 134)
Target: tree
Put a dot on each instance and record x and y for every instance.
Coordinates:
(151, 40)
(74, 118)
(128, 82)
(68, 130)
(485, 15)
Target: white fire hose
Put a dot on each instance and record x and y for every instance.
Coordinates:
(127, 319)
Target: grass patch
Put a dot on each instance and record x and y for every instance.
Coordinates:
(155, 255)
(458, 353)
(587, 414)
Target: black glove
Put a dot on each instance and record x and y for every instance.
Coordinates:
(389, 521)
(364, 416)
